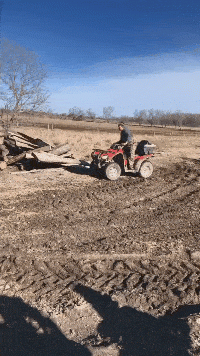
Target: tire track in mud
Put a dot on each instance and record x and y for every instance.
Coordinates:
(153, 282)
(102, 219)
(154, 285)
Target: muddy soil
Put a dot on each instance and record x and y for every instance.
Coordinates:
(69, 240)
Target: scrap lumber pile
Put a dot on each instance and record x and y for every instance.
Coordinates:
(22, 146)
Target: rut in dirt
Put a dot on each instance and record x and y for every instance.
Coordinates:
(132, 239)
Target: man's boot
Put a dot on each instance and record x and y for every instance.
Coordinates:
(130, 163)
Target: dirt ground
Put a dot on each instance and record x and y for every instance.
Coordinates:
(96, 267)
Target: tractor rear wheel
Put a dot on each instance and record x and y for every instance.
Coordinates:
(146, 169)
(113, 171)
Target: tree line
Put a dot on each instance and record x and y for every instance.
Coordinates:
(165, 118)
(143, 117)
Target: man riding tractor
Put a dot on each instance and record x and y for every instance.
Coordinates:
(127, 142)
(124, 156)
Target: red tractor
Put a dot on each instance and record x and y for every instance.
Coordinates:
(113, 162)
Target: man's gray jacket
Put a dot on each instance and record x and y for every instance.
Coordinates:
(126, 136)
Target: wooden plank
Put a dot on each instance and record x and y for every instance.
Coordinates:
(25, 144)
(35, 141)
(16, 159)
(41, 170)
(51, 158)
(46, 148)
(29, 139)
(61, 149)
(13, 134)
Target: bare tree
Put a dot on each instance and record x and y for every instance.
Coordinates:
(75, 111)
(108, 112)
(191, 120)
(153, 117)
(90, 114)
(22, 78)
(140, 116)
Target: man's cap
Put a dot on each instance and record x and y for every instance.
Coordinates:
(121, 124)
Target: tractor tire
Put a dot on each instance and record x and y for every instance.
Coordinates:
(146, 169)
(113, 171)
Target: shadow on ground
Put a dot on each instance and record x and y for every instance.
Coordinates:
(84, 169)
(25, 332)
(137, 333)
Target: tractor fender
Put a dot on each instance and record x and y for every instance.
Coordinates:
(137, 163)
(119, 158)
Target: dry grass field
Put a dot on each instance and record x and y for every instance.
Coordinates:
(108, 268)
(83, 137)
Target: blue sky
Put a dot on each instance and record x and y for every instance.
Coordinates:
(131, 54)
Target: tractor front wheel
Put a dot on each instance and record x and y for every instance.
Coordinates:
(113, 171)
(146, 169)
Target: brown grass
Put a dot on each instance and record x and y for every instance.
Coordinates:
(83, 137)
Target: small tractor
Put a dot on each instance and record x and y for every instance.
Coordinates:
(113, 163)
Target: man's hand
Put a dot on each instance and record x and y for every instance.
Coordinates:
(115, 145)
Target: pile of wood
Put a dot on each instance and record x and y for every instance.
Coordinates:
(35, 149)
